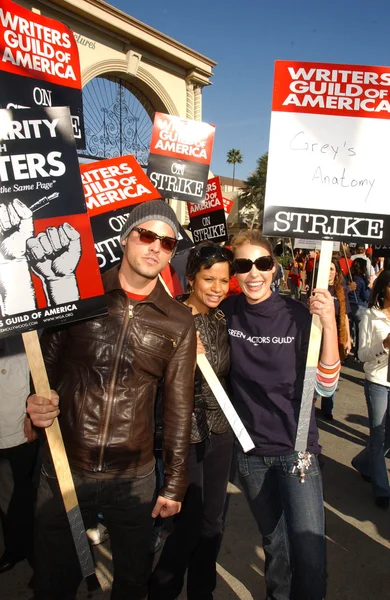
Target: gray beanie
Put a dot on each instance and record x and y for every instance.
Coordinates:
(153, 210)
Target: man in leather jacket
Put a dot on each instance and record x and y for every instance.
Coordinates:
(105, 372)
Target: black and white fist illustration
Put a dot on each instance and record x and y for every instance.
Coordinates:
(16, 227)
(54, 255)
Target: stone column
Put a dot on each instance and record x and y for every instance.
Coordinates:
(189, 99)
(197, 102)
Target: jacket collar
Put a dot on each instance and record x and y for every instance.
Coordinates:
(158, 296)
(378, 313)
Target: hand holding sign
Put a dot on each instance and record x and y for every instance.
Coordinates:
(54, 256)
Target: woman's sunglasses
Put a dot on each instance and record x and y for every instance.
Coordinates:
(148, 237)
(244, 265)
(207, 252)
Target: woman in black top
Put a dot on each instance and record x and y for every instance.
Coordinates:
(195, 541)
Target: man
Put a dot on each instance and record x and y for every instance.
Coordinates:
(18, 455)
(370, 272)
(106, 372)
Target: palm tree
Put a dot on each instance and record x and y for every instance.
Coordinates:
(234, 156)
(254, 187)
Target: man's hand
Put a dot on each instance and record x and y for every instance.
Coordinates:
(43, 411)
(165, 508)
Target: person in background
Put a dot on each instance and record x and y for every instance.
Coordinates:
(294, 276)
(374, 353)
(278, 277)
(361, 253)
(269, 337)
(19, 450)
(358, 299)
(195, 541)
(345, 261)
(339, 293)
(310, 263)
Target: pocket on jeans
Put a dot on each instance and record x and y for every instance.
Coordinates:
(242, 463)
(289, 463)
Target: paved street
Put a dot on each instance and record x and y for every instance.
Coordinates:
(358, 532)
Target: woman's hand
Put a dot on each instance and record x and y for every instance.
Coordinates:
(352, 286)
(321, 303)
(199, 346)
(348, 346)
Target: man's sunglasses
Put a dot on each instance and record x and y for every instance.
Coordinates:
(207, 252)
(148, 237)
(244, 265)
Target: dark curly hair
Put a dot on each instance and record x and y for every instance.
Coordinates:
(378, 291)
(359, 267)
(204, 256)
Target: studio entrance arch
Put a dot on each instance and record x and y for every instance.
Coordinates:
(118, 119)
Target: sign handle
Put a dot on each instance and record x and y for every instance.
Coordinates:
(60, 460)
(313, 353)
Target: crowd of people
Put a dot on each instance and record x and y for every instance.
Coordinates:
(122, 381)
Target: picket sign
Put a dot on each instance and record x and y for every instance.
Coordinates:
(222, 398)
(313, 353)
(60, 460)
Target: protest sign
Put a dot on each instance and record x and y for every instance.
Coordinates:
(328, 175)
(48, 268)
(313, 245)
(208, 221)
(39, 64)
(111, 187)
(180, 155)
(227, 205)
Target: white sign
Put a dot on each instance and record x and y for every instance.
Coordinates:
(313, 245)
(328, 167)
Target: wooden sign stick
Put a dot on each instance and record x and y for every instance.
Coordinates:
(220, 395)
(313, 353)
(60, 460)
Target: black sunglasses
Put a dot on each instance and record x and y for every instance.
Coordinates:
(207, 252)
(244, 265)
(148, 237)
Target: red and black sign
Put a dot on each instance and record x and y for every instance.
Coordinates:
(180, 156)
(49, 273)
(208, 221)
(112, 187)
(39, 64)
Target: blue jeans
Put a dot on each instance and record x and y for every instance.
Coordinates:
(371, 460)
(290, 517)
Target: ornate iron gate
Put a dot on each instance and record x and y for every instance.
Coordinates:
(118, 119)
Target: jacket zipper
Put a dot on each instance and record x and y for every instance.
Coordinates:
(129, 314)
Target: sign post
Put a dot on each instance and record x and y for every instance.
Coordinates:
(49, 273)
(328, 177)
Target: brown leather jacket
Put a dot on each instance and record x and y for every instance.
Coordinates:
(106, 371)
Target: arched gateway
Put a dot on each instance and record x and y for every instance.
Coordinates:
(129, 70)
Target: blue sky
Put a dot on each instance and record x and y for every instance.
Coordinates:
(245, 37)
